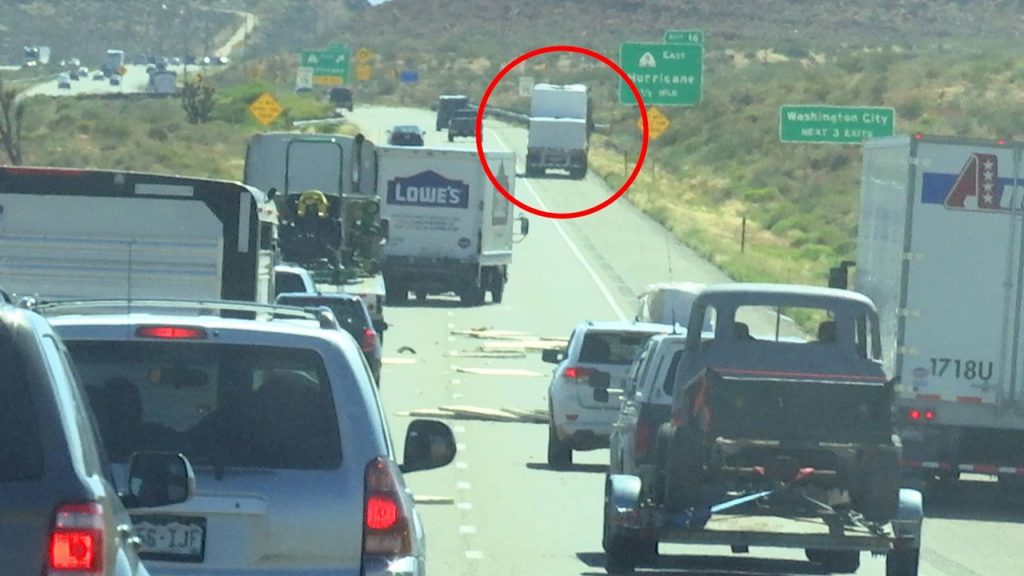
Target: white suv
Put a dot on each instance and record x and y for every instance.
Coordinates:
(583, 397)
(294, 468)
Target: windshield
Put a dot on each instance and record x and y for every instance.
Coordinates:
(618, 348)
(350, 313)
(224, 405)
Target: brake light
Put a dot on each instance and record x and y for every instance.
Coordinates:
(386, 525)
(369, 341)
(574, 372)
(1001, 141)
(643, 439)
(171, 332)
(916, 414)
(76, 541)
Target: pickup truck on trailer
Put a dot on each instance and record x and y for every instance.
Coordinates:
(774, 441)
(939, 251)
(86, 234)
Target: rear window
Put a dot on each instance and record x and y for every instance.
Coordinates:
(219, 404)
(612, 347)
(349, 312)
(288, 282)
(21, 452)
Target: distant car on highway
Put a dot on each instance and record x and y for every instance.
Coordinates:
(341, 97)
(98, 75)
(583, 396)
(64, 81)
(462, 123)
(406, 135)
(283, 423)
(175, 61)
(353, 316)
(74, 75)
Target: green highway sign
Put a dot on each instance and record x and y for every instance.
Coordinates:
(665, 74)
(329, 66)
(684, 37)
(835, 124)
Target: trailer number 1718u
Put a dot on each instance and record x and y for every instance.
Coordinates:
(966, 369)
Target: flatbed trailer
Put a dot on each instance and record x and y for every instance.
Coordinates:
(739, 524)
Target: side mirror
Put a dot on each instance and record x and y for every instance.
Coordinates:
(385, 228)
(429, 444)
(551, 356)
(271, 193)
(524, 225)
(601, 395)
(380, 326)
(159, 479)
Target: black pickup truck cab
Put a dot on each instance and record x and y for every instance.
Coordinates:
(760, 404)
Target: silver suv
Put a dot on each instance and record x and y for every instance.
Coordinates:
(294, 466)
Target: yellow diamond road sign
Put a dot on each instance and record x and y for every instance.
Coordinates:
(657, 122)
(265, 108)
(363, 55)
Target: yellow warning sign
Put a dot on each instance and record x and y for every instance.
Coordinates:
(364, 72)
(122, 70)
(657, 122)
(265, 108)
(363, 56)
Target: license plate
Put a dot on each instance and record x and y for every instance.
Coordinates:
(174, 538)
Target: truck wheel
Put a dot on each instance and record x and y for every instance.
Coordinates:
(472, 296)
(421, 295)
(879, 497)
(682, 470)
(559, 453)
(396, 294)
(836, 561)
(902, 562)
(497, 290)
(451, 138)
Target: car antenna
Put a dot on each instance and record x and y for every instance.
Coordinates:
(674, 324)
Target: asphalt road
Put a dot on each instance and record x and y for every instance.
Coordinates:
(507, 513)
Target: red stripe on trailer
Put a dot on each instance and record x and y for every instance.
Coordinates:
(969, 399)
(929, 397)
(985, 469)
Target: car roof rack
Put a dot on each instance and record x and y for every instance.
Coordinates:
(322, 314)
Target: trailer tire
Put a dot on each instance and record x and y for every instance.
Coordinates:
(421, 295)
(682, 469)
(472, 296)
(559, 453)
(396, 294)
(451, 137)
(878, 498)
(835, 561)
(497, 290)
(902, 562)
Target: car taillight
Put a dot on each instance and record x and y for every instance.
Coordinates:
(76, 541)
(575, 373)
(916, 415)
(369, 340)
(386, 524)
(643, 439)
(171, 332)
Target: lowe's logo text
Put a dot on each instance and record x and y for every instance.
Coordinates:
(428, 189)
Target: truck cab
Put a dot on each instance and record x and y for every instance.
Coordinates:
(447, 104)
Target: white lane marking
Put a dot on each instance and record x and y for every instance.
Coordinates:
(450, 313)
(461, 465)
(572, 245)
(463, 485)
(466, 529)
(450, 325)
(459, 429)
(456, 396)
(456, 381)
(464, 505)
(474, 555)
(461, 447)
(451, 338)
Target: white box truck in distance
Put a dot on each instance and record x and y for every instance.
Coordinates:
(450, 228)
(92, 234)
(939, 251)
(559, 132)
